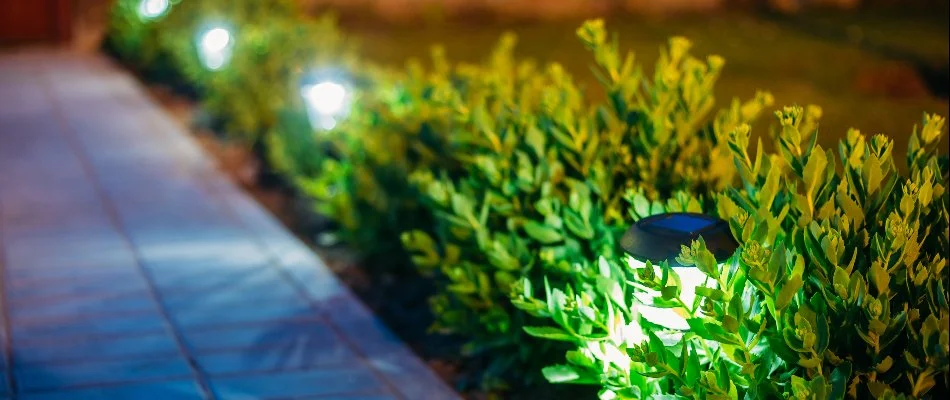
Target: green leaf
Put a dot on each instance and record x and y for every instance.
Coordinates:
(697, 326)
(692, 366)
(657, 346)
(560, 373)
(723, 375)
(885, 365)
(612, 289)
(501, 258)
(872, 174)
(711, 293)
(780, 345)
(840, 284)
(735, 307)
(422, 247)
(579, 358)
(778, 264)
(542, 233)
(535, 140)
(818, 388)
(880, 277)
(770, 189)
(462, 205)
(925, 381)
(577, 225)
(851, 208)
(878, 389)
(550, 333)
(821, 331)
(814, 173)
(788, 292)
(810, 363)
(730, 324)
(717, 333)
(653, 374)
(839, 381)
(641, 205)
(669, 292)
(603, 267)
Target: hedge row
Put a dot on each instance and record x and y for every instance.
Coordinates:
(508, 185)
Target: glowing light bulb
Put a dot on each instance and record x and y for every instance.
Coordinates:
(214, 61)
(328, 98)
(151, 9)
(215, 47)
(215, 40)
(327, 102)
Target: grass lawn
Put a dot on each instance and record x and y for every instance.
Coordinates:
(797, 67)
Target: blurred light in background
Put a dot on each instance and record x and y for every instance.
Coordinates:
(215, 47)
(151, 9)
(327, 97)
(326, 101)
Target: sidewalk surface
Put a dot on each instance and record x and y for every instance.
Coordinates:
(133, 269)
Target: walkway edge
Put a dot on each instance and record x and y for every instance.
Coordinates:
(403, 370)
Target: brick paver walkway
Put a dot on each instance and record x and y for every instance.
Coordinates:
(132, 269)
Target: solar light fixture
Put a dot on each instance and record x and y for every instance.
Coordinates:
(327, 99)
(151, 9)
(659, 238)
(214, 47)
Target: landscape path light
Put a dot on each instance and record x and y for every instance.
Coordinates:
(215, 45)
(327, 98)
(659, 238)
(151, 9)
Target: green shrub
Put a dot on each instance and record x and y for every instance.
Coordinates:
(509, 186)
(130, 35)
(837, 291)
(547, 176)
(134, 39)
(358, 172)
(503, 156)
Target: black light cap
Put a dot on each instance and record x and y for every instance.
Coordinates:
(659, 237)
